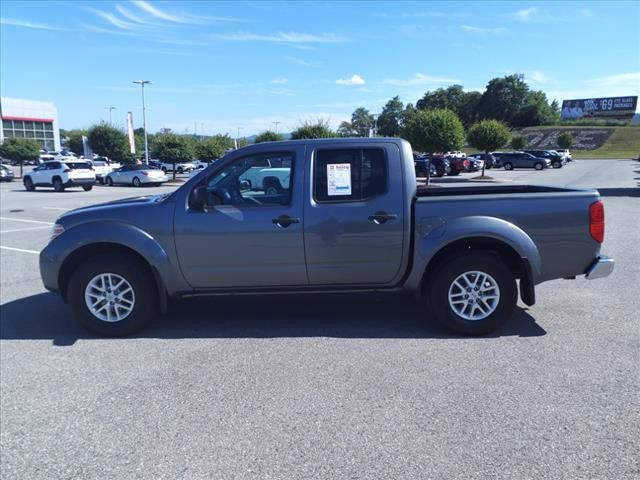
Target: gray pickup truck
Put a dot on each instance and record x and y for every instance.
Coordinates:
(350, 218)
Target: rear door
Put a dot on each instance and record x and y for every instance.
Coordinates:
(354, 215)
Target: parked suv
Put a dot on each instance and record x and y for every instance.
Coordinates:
(60, 175)
(511, 160)
(489, 159)
(557, 160)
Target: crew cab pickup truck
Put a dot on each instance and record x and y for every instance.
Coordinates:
(351, 218)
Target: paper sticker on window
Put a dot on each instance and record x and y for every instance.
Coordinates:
(338, 179)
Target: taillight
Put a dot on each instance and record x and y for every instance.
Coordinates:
(67, 170)
(596, 221)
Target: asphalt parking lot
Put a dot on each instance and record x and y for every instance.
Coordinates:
(331, 387)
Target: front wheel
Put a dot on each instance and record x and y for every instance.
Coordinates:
(508, 166)
(454, 172)
(57, 185)
(557, 164)
(473, 293)
(538, 166)
(87, 188)
(180, 170)
(109, 181)
(28, 184)
(136, 182)
(112, 295)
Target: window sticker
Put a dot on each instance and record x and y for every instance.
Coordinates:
(338, 179)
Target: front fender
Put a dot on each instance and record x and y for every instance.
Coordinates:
(439, 234)
(52, 257)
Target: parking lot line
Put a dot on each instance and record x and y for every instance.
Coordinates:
(25, 229)
(23, 220)
(19, 250)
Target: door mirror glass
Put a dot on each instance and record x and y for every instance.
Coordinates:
(198, 198)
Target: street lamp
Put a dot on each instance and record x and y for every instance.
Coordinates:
(110, 108)
(142, 83)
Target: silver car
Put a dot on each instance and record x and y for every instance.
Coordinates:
(136, 175)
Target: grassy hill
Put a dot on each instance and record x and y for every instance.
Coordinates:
(589, 142)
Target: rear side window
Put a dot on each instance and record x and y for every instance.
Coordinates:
(78, 165)
(352, 174)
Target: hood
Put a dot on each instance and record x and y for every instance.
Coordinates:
(117, 204)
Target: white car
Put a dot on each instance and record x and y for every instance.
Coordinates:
(565, 153)
(184, 167)
(136, 175)
(102, 167)
(60, 175)
(269, 179)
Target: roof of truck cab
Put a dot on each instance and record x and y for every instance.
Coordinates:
(329, 141)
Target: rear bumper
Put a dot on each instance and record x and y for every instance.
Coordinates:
(79, 182)
(148, 179)
(600, 268)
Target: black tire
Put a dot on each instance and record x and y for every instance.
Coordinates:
(538, 166)
(146, 304)
(101, 181)
(136, 182)
(453, 173)
(508, 166)
(57, 185)
(87, 188)
(449, 270)
(109, 181)
(28, 184)
(556, 164)
(164, 170)
(440, 172)
(180, 170)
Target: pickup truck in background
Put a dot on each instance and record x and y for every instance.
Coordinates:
(350, 218)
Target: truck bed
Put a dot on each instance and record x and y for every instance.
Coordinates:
(423, 191)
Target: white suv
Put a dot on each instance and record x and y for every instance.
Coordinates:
(60, 175)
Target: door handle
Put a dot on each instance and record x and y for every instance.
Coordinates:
(283, 221)
(382, 217)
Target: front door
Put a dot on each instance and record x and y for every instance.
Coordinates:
(251, 233)
(354, 216)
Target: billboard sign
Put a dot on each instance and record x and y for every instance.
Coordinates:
(610, 107)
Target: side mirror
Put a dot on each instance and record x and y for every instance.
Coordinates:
(245, 185)
(200, 198)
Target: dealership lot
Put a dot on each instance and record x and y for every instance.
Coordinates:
(329, 387)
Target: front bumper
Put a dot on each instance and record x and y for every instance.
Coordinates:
(600, 268)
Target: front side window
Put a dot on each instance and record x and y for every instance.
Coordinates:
(349, 174)
(255, 180)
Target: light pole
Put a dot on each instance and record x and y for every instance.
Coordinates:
(238, 136)
(142, 83)
(110, 108)
(276, 124)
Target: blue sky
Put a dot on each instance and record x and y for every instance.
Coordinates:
(217, 66)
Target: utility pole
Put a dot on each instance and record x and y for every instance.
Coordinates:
(142, 83)
(276, 124)
(238, 136)
(110, 107)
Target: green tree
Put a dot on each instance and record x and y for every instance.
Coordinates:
(519, 142)
(391, 118)
(362, 121)
(346, 130)
(20, 150)
(565, 140)
(454, 98)
(171, 148)
(433, 131)
(313, 129)
(488, 135)
(212, 148)
(75, 141)
(536, 111)
(503, 98)
(268, 136)
(109, 142)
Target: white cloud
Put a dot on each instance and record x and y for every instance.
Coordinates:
(280, 80)
(525, 14)
(280, 37)
(482, 30)
(353, 80)
(157, 13)
(420, 79)
(584, 12)
(537, 77)
(183, 18)
(299, 61)
(617, 85)
(115, 21)
(27, 24)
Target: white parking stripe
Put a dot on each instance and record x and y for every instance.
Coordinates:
(23, 220)
(19, 250)
(25, 229)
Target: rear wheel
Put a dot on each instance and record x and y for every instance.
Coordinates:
(28, 184)
(440, 172)
(113, 296)
(557, 164)
(136, 182)
(57, 185)
(508, 166)
(180, 170)
(474, 293)
(538, 166)
(164, 170)
(87, 188)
